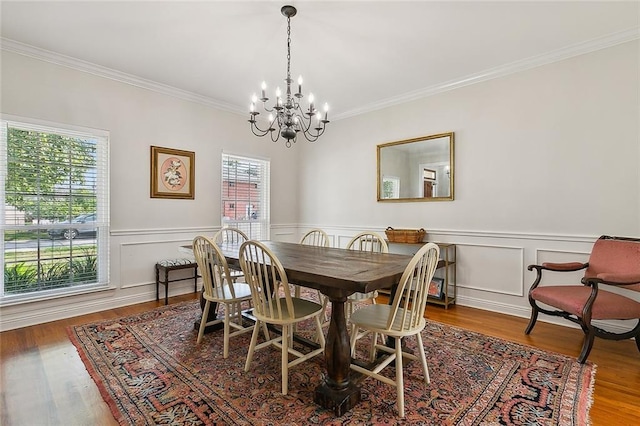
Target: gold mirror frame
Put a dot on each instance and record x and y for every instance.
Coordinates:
(418, 169)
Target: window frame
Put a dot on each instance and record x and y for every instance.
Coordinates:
(101, 138)
(257, 227)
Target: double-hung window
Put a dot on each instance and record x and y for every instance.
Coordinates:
(245, 195)
(54, 217)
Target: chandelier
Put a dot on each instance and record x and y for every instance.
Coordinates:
(287, 114)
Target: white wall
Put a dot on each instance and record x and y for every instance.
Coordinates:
(546, 160)
(143, 230)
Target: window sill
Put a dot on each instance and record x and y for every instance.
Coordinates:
(20, 299)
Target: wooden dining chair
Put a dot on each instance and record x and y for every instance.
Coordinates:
(231, 236)
(403, 317)
(318, 238)
(370, 242)
(220, 288)
(273, 304)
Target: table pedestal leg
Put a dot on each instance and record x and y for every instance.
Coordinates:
(337, 392)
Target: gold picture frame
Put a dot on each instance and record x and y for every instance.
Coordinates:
(172, 173)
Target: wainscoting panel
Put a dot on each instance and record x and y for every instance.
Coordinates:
(491, 268)
(138, 258)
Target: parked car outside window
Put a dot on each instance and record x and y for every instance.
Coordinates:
(70, 233)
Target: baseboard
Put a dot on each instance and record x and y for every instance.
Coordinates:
(46, 314)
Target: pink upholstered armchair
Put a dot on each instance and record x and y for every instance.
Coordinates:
(614, 261)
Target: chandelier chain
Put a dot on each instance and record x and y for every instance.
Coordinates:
(288, 48)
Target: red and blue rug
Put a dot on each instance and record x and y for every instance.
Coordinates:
(151, 372)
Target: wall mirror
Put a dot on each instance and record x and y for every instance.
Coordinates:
(418, 169)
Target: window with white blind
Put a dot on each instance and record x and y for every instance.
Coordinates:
(55, 215)
(245, 195)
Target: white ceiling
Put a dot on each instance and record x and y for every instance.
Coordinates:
(355, 55)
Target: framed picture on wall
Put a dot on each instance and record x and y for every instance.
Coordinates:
(436, 288)
(172, 173)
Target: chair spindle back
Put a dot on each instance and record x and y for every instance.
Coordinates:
(231, 236)
(316, 237)
(411, 295)
(213, 266)
(268, 281)
(368, 241)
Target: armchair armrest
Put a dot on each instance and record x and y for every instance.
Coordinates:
(613, 278)
(559, 267)
(556, 267)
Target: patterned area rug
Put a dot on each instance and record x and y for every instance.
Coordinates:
(150, 371)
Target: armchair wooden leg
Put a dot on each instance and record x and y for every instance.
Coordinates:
(586, 346)
(532, 320)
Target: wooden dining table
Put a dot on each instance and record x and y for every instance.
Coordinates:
(337, 273)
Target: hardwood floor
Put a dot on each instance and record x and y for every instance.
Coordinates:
(44, 382)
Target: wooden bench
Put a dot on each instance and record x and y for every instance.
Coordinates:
(165, 266)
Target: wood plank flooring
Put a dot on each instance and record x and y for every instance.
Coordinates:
(44, 382)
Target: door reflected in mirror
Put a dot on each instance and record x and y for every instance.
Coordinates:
(418, 169)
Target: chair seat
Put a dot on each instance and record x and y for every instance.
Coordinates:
(572, 299)
(303, 309)
(243, 292)
(374, 318)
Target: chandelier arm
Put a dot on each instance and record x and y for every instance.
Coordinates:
(266, 108)
(260, 132)
(303, 123)
(306, 128)
(277, 135)
(310, 137)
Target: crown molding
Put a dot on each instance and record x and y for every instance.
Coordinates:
(501, 71)
(492, 73)
(100, 71)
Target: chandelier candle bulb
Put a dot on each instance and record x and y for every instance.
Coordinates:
(264, 88)
(300, 85)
